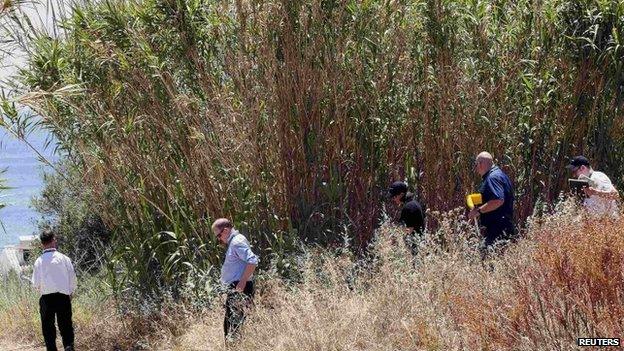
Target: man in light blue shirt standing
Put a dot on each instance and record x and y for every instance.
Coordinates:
(236, 273)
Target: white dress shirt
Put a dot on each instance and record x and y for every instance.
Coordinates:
(599, 205)
(53, 272)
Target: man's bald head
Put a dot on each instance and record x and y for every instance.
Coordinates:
(222, 228)
(220, 224)
(484, 162)
(485, 156)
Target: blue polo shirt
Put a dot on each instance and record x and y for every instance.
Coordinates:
(497, 185)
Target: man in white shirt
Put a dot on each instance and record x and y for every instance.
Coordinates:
(54, 278)
(601, 195)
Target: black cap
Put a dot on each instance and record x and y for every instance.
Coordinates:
(578, 161)
(397, 188)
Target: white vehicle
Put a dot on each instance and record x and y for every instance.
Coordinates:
(14, 257)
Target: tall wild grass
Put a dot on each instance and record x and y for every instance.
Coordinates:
(563, 281)
(291, 117)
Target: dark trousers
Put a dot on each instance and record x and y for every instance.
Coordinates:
(502, 229)
(412, 241)
(57, 306)
(497, 235)
(235, 306)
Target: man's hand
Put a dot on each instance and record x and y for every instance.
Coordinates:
(474, 213)
(249, 269)
(612, 195)
(589, 191)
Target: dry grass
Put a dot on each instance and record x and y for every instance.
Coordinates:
(18, 312)
(100, 324)
(562, 281)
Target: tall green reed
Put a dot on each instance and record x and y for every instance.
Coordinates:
(291, 117)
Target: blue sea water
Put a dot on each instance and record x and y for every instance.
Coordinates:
(24, 174)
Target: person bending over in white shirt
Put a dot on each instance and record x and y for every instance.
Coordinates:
(55, 279)
(601, 195)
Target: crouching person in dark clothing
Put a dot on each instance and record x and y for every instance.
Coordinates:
(412, 216)
(496, 213)
(54, 278)
(236, 274)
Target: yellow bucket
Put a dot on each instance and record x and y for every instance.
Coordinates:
(473, 200)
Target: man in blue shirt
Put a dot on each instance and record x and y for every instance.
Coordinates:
(236, 274)
(496, 213)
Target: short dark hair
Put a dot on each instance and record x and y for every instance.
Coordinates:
(578, 161)
(46, 236)
(397, 188)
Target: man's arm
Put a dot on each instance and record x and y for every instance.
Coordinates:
(244, 253)
(413, 219)
(611, 194)
(407, 230)
(36, 277)
(601, 186)
(494, 186)
(407, 221)
(249, 270)
(489, 206)
(72, 277)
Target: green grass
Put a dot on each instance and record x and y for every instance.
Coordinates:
(19, 309)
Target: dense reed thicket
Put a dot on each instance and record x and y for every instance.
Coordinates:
(292, 116)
